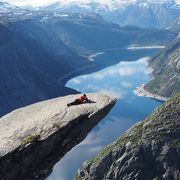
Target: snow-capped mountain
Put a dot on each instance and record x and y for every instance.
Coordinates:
(114, 3)
(143, 13)
(5, 7)
(9, 12)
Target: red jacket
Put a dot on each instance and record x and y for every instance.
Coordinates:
(82, 99)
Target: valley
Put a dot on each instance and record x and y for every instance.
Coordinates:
(39, 51)
(123, 54)
(119, 81)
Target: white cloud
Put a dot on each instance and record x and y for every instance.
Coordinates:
(126, 84)
(99, 76)
(111, 72)
(144, 61)
(117, 93)
(91, 140)
(85, 77)
(92, 87)
(108, 72)
(139, 61)
(95, 149)
(127, 71)
(76, 81)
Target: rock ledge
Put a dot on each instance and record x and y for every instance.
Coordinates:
(34, 138)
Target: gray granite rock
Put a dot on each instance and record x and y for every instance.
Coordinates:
(149, 150)
(34, 138)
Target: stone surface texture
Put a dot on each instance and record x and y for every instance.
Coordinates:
(149, 150)
(35, 137)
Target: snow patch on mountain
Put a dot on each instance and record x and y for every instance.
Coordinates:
(120, 3)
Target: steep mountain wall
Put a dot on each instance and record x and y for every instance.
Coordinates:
(149, 150)
(32, 64)
(166, 71)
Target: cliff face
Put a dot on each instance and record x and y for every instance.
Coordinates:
(34, 138)
(32, 64)
(166, 71)
(149, 150)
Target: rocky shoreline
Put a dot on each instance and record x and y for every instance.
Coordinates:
(140, 91)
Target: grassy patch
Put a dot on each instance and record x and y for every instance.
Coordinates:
(29, 139)
(55, 125)
(103, 153)
(78, 178)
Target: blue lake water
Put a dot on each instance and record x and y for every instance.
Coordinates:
(120, 81)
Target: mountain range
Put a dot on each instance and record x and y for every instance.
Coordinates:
(41, 48)
(142, 13)
(38, 48)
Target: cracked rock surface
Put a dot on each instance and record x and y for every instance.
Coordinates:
(35, 137)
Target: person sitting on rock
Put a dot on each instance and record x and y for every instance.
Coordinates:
(80, 100)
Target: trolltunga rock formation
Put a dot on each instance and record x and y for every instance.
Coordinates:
(35, 137)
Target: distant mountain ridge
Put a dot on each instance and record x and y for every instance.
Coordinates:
(90, 32)
(142, 13)
(113, 3)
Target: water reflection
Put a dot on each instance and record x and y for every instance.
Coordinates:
(119, 80)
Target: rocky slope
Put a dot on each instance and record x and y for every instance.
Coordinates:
(34, 138)
(90, 32)
(175, 26)
(149, 150)
(32, 64)
(166, 71)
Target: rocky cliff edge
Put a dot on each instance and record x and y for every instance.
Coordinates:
(149, 150)
(35, 137)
